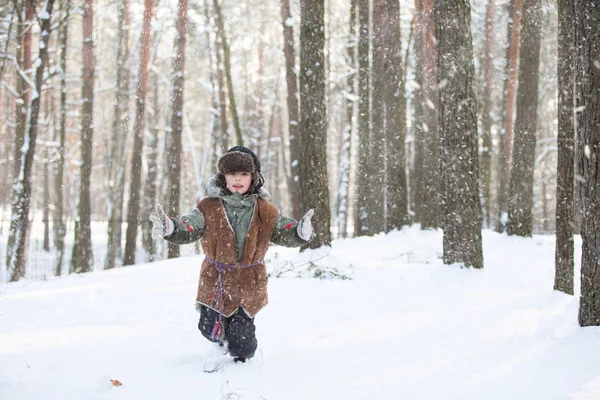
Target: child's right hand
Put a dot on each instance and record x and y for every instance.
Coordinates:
(161, 224)
(305, 228)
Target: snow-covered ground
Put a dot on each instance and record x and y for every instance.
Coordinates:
(404, 326)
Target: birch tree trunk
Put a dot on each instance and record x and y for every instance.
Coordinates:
(314, 192)
(22, 188)
(564, 258)
(175, 149)
(135, 189)
(520, 203)
(84, 260)
(587, 56)
(116, 158)
(458, 135)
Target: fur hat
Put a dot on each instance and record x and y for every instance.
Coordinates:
(235, 161)
(247, 151)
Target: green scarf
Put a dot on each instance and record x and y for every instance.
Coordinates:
(239, 209)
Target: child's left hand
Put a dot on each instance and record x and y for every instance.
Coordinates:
(305, 228)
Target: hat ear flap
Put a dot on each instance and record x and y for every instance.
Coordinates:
(259, 181)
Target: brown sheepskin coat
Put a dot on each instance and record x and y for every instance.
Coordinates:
(244, 287)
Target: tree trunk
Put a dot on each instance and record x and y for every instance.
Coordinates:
(22, 188)
(486, 113)
(364, 124)
(46, 208)
(342, 202)
(174, 154)
(314, 192)
(458, 135)
(430, 192)
(587, 56)
(24, 32)
(510, 89)
(565, 179)
(397, 191)
(291, 80)
(61, 228)
(375, 207)
(416, 176)
(116, 158)
(222, 99)
(227, 61)
(150, 186)
(84, 262)
(520, 203)
(135, 190)
(219, 115)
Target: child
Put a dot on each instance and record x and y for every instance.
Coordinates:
(235, 223)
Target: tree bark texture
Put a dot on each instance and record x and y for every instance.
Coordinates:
(564, 257)
(22, 188)
(135, 188)
(458, 135)
(61, 228)
(510, 90)
(291, 80)
(416, 175)
(174, 153)
(520, 202)
(486, 113)
(431, 174)
(314, 192)
(116, 158)
(375, 207)
(219, 116)
(387, 55)
(227, 62)
(151, 178)
(24, 32)
(342, 201)
(397, 185)
(364, 124)
(21, 107)
(84, 261)
(222, 94)
(587, 62)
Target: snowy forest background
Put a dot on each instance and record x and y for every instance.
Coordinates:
(107, 107)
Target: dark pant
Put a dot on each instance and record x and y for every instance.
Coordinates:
(239, 331)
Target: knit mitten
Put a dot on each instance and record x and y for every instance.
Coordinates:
(162, 225)
(305, 228)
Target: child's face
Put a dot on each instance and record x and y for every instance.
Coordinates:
(238, 182)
